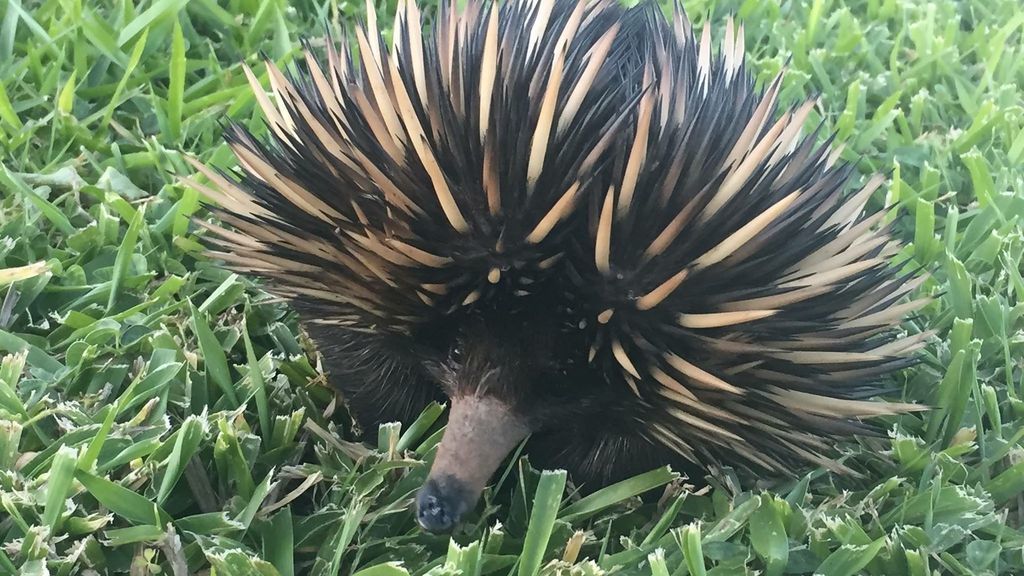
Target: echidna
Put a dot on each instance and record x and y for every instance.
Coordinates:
(573, 221)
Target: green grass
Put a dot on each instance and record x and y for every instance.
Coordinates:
(160, 416)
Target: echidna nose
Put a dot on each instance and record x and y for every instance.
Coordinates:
(433, 515)
(440, 505)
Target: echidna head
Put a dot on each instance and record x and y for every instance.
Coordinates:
(491, 380)
(507, 373)
(573, 221)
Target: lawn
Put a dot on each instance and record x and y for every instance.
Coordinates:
(161, 416)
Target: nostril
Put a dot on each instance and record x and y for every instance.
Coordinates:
(442, 502)
(433, 515)
(432, 508)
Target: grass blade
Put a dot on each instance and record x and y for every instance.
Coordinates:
(618, 492)
(176, 85)
(214, 359)
(124, 257)
(62, 472)
(185, 445)
(768, 535)
(257, 381)
(133, 62)
(279, 542)
(159, 9)
(11, 275)
(546, 501)
(850, 559)
(689, 540)
(122, 501)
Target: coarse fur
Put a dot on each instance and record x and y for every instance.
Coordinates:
(582, 210)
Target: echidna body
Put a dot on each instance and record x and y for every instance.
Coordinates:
(573, 221)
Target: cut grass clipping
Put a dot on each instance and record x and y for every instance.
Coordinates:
(160, 416)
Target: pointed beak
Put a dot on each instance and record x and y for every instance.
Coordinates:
(480, 434)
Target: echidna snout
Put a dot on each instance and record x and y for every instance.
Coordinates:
(480, 433)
